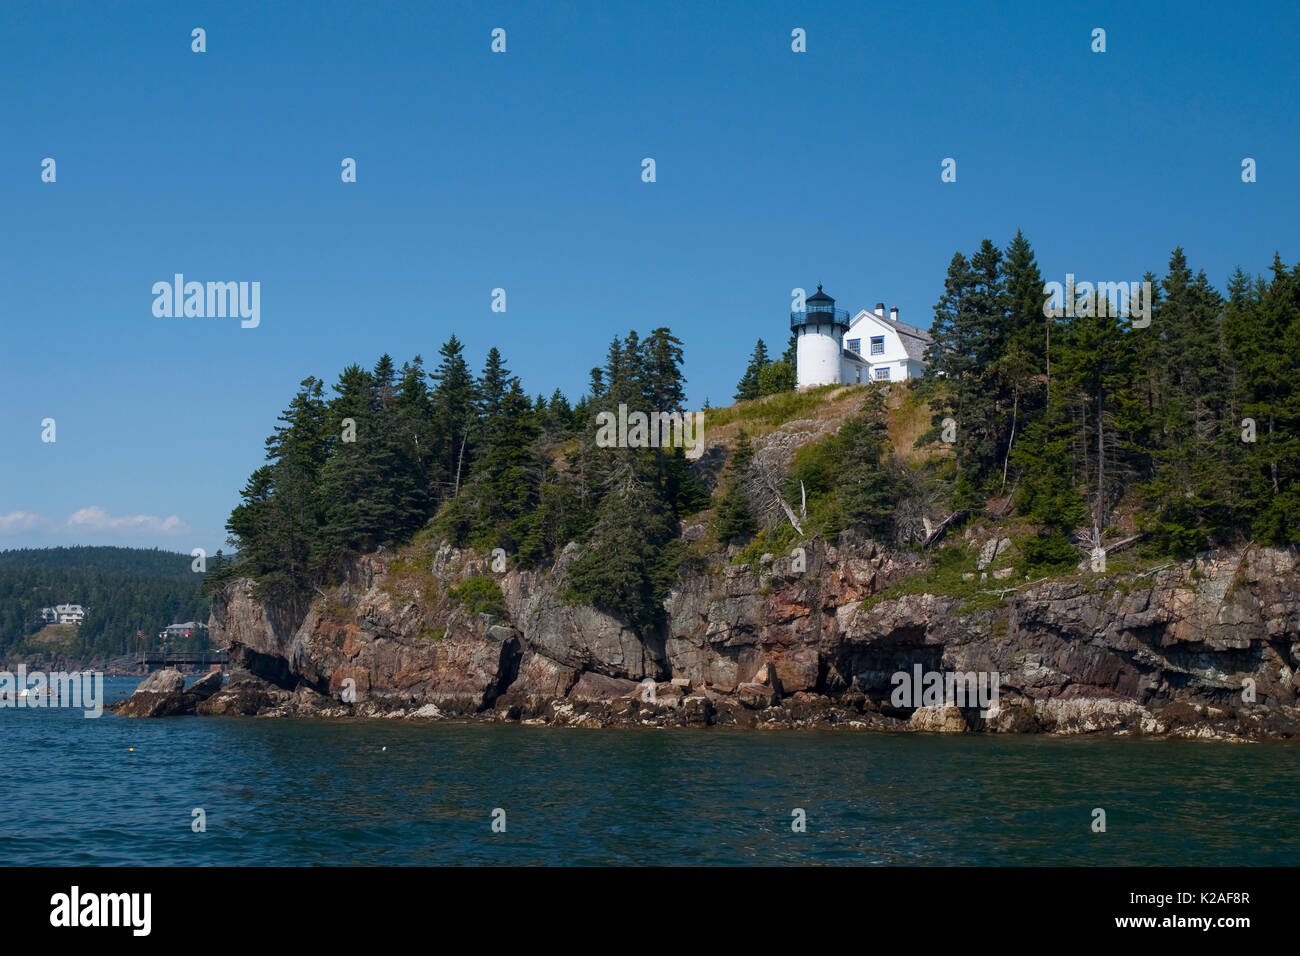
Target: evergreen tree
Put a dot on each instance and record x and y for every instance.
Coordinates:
(1020, 371)
(281, 508)
(413, 419)
(372, 488)
(1183, 356)
(956, 354)
(1094, 376)
(663, 382)
(453, 417)
(865, 490)
(632, 560)
(734, 520)
(1263, 334)
(492, 386)
(748, 387)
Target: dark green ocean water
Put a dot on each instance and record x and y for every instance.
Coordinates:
(290, 792)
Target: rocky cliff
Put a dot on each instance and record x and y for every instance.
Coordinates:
(1207, 648)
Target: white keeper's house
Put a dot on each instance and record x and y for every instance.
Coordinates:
(871, 347)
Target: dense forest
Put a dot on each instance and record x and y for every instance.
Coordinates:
(124, 590)
(1189, 428)
(1191, 424)
(394, 449)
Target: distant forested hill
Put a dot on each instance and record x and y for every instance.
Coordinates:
(124, 590)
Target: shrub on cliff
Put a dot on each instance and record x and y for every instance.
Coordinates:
(480, 595)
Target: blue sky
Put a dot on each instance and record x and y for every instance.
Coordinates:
(522, 171)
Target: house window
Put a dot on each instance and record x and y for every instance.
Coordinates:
(854, 346)
(882, 375)
(878, 345)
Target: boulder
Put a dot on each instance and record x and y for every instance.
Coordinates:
(148, 704)
(941, 720)
(756, 696)
(207, 685)
(161, 694)
(166, 681)
(243, 697)
(797, 669)
(598, 687)
(992, 550)
(1015, 717)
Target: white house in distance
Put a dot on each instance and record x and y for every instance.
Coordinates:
(63, 614)
(871, 347)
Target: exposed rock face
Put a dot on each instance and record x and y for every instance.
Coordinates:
(1170, 652)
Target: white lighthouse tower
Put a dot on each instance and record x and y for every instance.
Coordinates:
(820, 329)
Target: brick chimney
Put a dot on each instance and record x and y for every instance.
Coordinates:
(893, 313)
(880, 310)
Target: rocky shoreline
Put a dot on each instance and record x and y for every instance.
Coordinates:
(676, 705)
(1207, 649)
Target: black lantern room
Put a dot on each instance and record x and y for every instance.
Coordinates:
(819, 309)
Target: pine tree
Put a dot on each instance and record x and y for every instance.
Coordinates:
(791, 353)
(734, 520)
(954, 353)
(632, 559)
(623, 374)
(1020, 371)
(748, 388)
(492, 386)
(663, 382)
(413, 419)
(1263, 334)
(1185, 362)
(453, 417)
(372, 487)
(1096, 374)
(277, 521)
(506, 486)
(865, 490)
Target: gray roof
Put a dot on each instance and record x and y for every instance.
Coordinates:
(914, 340)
